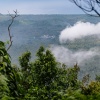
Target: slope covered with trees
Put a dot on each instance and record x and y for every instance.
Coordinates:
(43, 79)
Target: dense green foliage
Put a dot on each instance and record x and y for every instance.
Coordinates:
(43, 79)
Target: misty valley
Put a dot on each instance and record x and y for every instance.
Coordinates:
(71, 38)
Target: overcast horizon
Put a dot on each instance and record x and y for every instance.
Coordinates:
(35, 7)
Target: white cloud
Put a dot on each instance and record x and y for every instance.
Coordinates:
(64, 55)
(79, 30)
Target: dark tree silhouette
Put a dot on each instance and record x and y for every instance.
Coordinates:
(90, 7)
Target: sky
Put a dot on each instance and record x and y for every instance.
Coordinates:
(39, 7)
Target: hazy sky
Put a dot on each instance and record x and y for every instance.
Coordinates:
(39, 7)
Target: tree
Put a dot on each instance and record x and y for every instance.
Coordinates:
(9, 26)
(7, 70)
(26, 73)
(68, 77)
(45, 68)
(4, 89)
(90, 7)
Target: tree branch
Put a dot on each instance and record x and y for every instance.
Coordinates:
(9, 33)
(90, 7)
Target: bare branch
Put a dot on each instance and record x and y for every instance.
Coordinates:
(90, 7)
(9, 33)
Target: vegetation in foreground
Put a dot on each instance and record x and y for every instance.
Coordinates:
(43, 79)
